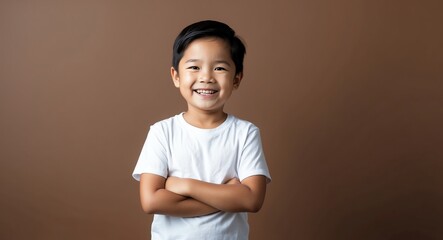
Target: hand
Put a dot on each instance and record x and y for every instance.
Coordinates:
(177, 185)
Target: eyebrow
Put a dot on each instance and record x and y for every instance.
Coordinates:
(217, 61)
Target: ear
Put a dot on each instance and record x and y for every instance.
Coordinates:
(237, 79)
(175, 77)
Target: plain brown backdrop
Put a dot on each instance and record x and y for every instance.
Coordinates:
(348, 95)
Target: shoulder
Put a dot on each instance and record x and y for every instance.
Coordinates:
(167, 123)
(243, 124)
(165, 128)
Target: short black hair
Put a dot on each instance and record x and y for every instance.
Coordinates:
(209, 28)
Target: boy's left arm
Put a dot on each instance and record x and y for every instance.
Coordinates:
(245, 196)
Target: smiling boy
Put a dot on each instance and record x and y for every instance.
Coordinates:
(203, 170)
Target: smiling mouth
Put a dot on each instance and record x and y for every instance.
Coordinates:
(205, 91)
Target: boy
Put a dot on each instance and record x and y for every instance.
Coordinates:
(201, 171)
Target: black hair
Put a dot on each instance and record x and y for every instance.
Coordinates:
(209, 28)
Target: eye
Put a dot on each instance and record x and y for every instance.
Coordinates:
(193, 68)
(220, 69)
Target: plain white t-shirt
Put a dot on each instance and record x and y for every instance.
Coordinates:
(175, 148)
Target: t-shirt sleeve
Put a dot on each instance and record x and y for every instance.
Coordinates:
(252, 161)
(153, 157)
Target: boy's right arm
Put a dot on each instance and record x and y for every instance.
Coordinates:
(155, 199)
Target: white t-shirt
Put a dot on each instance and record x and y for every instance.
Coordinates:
(175, 148)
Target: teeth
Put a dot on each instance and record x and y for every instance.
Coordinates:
(201, 91)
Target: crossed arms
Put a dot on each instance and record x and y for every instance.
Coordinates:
(184, 197)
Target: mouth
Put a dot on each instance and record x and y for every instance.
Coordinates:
(205, 91)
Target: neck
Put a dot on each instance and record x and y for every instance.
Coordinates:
(205, 120)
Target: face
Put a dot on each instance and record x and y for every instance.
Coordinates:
(206, 75)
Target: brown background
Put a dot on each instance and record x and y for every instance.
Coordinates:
(348, 95)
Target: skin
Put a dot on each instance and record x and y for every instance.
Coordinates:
(206, 79)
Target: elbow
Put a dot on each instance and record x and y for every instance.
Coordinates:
(148, 209)
(148, 206)
(255, 204)
(246, 206)
(251, 206)
(254, 207)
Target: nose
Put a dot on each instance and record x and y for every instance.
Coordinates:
(205, 76)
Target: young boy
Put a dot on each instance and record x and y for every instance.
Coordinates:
(201, 171)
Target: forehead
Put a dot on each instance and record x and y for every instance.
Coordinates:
(207, 48)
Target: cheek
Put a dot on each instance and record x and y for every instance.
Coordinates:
(186, 78)
(227, 84)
